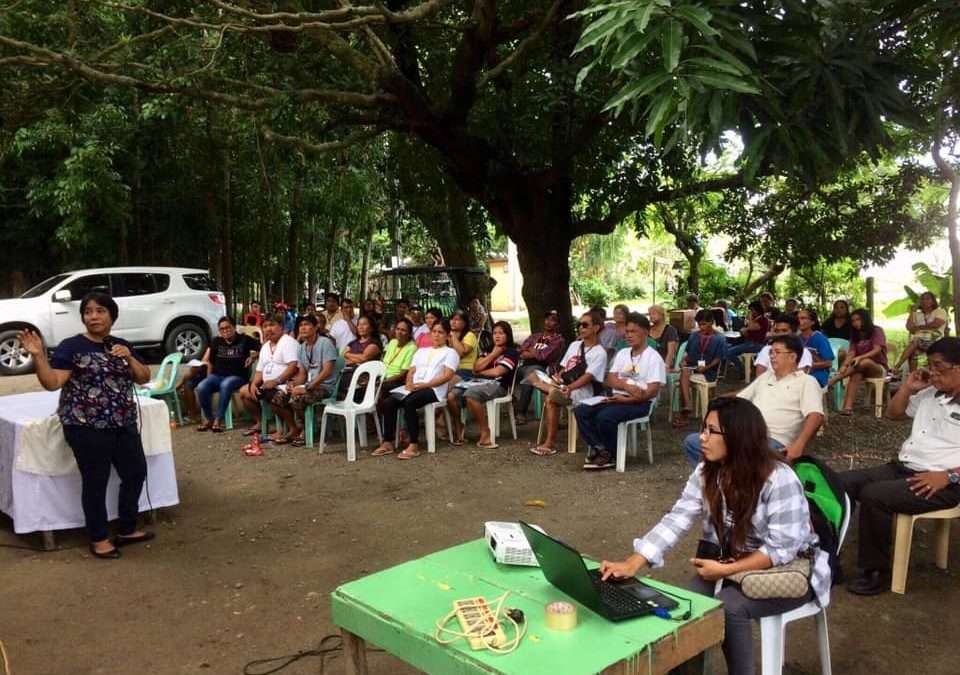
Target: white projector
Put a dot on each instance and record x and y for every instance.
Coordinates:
(508, 544)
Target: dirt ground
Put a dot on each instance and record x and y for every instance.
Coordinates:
(242, 568)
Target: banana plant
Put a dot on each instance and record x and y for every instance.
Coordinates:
(940, 284)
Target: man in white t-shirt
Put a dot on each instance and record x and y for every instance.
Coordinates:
(635, 378)
(925, 476)
(278, 365)
(789, 399)
(560, 394)
(783, 324)
(341, 332)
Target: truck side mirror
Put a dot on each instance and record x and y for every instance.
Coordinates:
(62, 295)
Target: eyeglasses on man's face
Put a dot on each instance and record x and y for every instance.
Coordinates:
(586, 324)
(941, 367)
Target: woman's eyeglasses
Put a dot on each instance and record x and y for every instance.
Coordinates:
(707, 431)
(586, 324)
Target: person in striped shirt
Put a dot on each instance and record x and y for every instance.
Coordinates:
(754, 516)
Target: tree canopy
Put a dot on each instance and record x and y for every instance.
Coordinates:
(558, 117)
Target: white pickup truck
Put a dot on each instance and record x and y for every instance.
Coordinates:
(174, 308)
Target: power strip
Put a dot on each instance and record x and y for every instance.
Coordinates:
(479, 623)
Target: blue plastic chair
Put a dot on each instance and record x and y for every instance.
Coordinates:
(673, 383)
(164, 385)
(839, 389)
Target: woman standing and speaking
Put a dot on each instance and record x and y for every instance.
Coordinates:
(96, 373)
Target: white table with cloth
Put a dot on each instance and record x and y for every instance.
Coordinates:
(39, 479)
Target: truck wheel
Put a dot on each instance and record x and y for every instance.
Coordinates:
(187, 338)
(13, 359)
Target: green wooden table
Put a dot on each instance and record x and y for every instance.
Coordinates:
(396, 609)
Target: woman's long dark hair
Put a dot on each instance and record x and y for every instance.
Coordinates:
(374, 336)
(866, 325)
(466, 323)
(508, 330)
(740, 477)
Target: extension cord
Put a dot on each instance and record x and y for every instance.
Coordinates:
(500, 615)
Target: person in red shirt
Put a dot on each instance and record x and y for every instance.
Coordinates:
(254, 313)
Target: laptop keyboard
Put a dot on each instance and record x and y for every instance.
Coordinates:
(615, 597)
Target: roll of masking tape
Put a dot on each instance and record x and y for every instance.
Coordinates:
(560, 616)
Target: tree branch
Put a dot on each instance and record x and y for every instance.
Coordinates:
(640, 198)
(525, 45)
(377, 13)
(320, 148)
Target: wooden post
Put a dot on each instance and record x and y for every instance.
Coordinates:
(870, 293)
(354, 653)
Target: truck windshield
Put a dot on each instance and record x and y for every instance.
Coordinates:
(44, 286)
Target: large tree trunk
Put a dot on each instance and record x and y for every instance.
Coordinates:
(226, 235)
(546, 280)
(293, 283)
(950, 174)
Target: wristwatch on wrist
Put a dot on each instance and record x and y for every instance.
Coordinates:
(953, 477)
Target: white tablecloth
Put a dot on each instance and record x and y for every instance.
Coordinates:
(39, 501)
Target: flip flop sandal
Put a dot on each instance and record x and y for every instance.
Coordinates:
(680, 422)
(298, 443)
(543, 451)
(280, 441)
(252, 431)
(488, 446)
(408, 455)
(845, 413)
(205, 427)
(217, 430)
(457, 442)
(382, 452)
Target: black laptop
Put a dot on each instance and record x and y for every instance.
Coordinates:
(563, 567)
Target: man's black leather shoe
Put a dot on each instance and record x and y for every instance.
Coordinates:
(871, 582)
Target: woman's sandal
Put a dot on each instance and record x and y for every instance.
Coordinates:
(543, 451)
(680, 421)
(298, 443)
(252, 431)
(846, 412)
(120, 540)
(206, 426)
(382, 452)
(112, 554)
(408, 455)
(487, 446)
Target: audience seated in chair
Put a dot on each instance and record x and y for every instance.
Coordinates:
(925, 323)
(664, 335)
(754, 334)
(925, 476)
(866, 358)
(422, 336)
(366, 347)
(790, 401)
(560, 394)
(744, 496)
(464, 342)
(636, 376)
(227, 360)
(816, 345)
(277, 369)
(315, 380)
(613, 335)
(540, 352)
(706, 350)
(782, 324)
(837, 325)
(427, 382)
(495, 372)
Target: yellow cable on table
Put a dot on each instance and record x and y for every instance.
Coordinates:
(480, 622)
(560, 616)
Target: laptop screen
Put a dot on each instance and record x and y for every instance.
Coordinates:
(563, 567)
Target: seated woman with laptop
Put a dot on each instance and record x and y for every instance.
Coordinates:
(755, 517)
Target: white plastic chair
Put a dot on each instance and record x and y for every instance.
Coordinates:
(429, 423)
(630, 427)
(773, 628)
(494, 410)
(352, 412)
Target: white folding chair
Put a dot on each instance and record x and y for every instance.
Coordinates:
(627, 437)
(773, 628)
(429, 423)
(494, 410)
(352, 412)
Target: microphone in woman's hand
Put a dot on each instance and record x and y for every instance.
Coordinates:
(109, 343)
